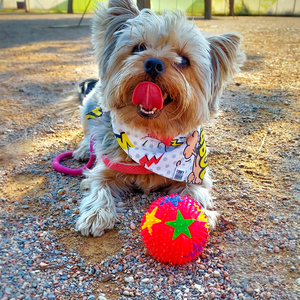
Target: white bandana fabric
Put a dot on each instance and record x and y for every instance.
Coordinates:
(183, 159)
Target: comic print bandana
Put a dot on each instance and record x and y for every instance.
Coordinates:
(183, 158)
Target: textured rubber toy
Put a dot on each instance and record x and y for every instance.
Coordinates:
(174, 229)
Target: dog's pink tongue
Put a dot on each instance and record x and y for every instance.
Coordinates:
(149, 95)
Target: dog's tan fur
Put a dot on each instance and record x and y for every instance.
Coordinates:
(195, 92)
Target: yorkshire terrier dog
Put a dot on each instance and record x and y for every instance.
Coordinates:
(161, 79)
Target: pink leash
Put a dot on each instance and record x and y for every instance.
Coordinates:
(58, 167)
(119, 167)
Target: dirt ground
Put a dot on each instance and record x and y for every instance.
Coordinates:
(254, 143)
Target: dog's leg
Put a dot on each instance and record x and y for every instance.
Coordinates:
(98, 210)
(89, 103)
(83, 152)
(203, 196)
(201, 193)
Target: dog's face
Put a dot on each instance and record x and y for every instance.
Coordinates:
(159, 73)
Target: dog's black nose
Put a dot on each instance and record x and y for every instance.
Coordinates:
(154, 66)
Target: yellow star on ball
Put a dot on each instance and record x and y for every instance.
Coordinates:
(202, 217)
(151, 220)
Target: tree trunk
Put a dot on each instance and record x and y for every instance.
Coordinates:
(70, 6)
(207, 9)
(231, 7)
(27, 8)
(143, 4)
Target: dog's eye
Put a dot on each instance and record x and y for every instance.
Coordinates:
(138, 48)
(184, 62)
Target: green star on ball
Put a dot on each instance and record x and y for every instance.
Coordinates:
(180, 225)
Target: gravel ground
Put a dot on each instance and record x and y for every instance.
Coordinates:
(254, 156)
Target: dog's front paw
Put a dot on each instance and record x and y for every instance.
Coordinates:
(95, 222)
(97, 213)
(85, 228)
(81, 155)
(212, 217)
(83, 152)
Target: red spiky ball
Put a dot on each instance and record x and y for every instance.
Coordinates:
(174, 229)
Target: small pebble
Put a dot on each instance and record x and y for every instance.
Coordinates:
(276, 249)
(129, 279)
(216, 274)
(249, 290)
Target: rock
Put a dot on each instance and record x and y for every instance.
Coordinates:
(129, 279)
(276, 249)
(145, 280)
(241, 296)
(216, 274)
(249, 290)
(170, 279)
(91, 297)
(60, 192)
(101, 297)
(198, 287)
(263, 265)
(276, 283)
(43, 265)
(120, 268)
(298, 281)
(50, 130)
(107, 277)
(126, 293)
(224, 258)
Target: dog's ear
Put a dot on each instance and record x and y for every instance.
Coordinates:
(107, 21)
(226, 60)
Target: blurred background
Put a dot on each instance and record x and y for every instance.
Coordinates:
(191, 7)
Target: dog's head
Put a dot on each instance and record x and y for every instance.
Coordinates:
(159, 73)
